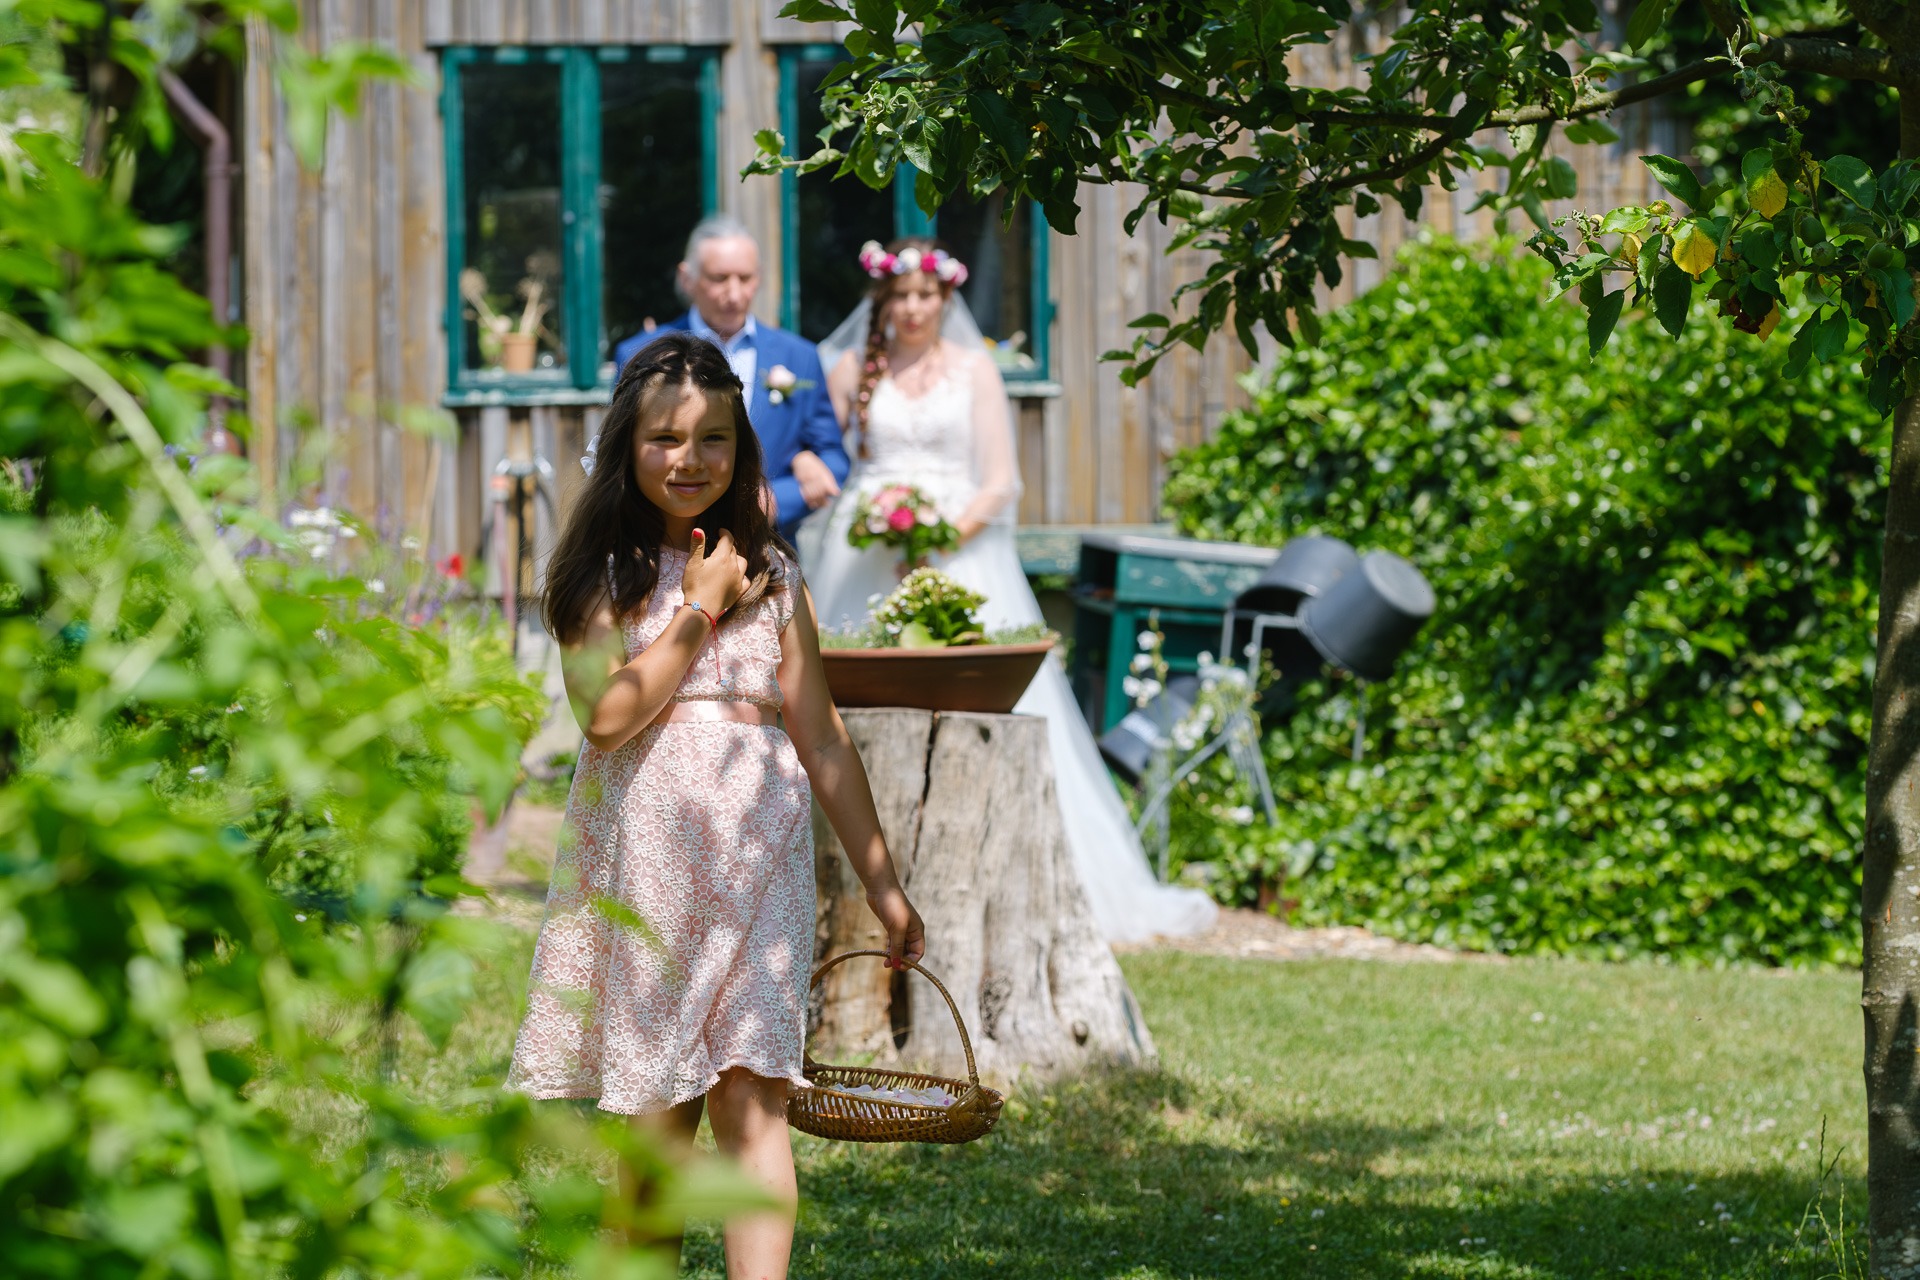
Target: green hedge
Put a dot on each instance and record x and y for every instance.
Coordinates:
(1637, 723)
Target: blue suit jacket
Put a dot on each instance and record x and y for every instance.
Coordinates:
(804, 418)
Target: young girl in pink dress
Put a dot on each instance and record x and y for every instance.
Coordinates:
(671, 971)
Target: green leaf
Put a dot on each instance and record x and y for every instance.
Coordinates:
(1628, 218)
(926, 192)
(1152, 320)
(815, 11)
(1675, 177)
(1830, 335)
(144, 1220)
(30, 1131)
(1000, 124)
(770, 141)
(438, 989)
(1590, 131)
(1559, 179)
(1672, 294)
(1851, 178)
(1647, 17)
(1603, 313)
(1896, 293)
(1185, 204)
(57, 992)
(879, 19)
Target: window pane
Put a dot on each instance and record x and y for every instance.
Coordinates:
(999, 259)
(836, 218)
(512, 285)
(651, 187)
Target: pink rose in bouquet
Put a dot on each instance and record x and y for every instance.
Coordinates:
(901, 516)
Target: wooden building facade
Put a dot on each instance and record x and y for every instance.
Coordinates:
(575, 142)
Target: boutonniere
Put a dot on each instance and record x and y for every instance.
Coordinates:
(781, 382)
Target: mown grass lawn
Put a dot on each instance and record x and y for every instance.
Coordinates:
(1512, 1121)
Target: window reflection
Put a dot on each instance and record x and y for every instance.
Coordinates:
(836, 218)
(511, 287)
(999, 258)
(651, 188)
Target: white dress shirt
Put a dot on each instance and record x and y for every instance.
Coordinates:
(741, 350)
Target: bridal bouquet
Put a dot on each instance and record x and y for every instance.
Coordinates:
(901, 516)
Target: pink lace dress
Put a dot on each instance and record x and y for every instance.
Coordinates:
(680, 919)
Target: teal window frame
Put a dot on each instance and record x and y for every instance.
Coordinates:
(582, 227)
(908, 220)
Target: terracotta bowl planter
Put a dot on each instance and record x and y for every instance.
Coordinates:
(981, 677)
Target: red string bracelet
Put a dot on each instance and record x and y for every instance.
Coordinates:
(715, 624)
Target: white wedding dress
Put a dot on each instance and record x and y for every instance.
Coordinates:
(955, 442)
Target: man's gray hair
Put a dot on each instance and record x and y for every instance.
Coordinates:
(721, 226)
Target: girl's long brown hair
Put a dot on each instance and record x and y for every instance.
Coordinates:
(874, 365)
(612, 522)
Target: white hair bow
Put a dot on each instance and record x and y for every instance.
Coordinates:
(586, 459)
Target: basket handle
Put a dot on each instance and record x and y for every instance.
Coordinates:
(966, 1043)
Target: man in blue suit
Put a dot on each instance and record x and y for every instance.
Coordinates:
(786, 388)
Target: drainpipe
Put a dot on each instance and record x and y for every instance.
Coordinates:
(219, 210)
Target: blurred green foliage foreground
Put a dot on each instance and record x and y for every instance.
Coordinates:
(1637, 723)
(235, 783)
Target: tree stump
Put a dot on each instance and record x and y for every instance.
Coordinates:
(967, 803)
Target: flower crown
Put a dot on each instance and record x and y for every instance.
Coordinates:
(938, 262)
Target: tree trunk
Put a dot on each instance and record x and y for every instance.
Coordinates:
(1890, 893)
(967, 803)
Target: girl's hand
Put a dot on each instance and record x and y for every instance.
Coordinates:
(906, 936)
(714, 577)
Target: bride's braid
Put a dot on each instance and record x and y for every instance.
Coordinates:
(874, 366)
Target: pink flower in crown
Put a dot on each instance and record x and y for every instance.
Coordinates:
(901, 520)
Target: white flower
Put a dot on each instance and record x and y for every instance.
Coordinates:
(1145, 639)
(377, 586)
(1242, 814)
(906, 260)
(198, 771)
(1141, 664)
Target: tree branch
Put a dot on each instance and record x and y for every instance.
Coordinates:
(1393, 172)
(1705, 69)
(1832, 58)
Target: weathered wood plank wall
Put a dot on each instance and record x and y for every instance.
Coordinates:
(345, 275)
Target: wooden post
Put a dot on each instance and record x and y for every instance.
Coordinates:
(967, 803)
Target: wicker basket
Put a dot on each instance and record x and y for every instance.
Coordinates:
(828, 1111)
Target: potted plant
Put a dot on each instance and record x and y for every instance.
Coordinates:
(507, 342)
(925, 648)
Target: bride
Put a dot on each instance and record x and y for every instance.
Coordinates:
(909, 374)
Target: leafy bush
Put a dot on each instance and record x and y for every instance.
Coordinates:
(162, 1008)
(458, 660)
(1638, 721)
